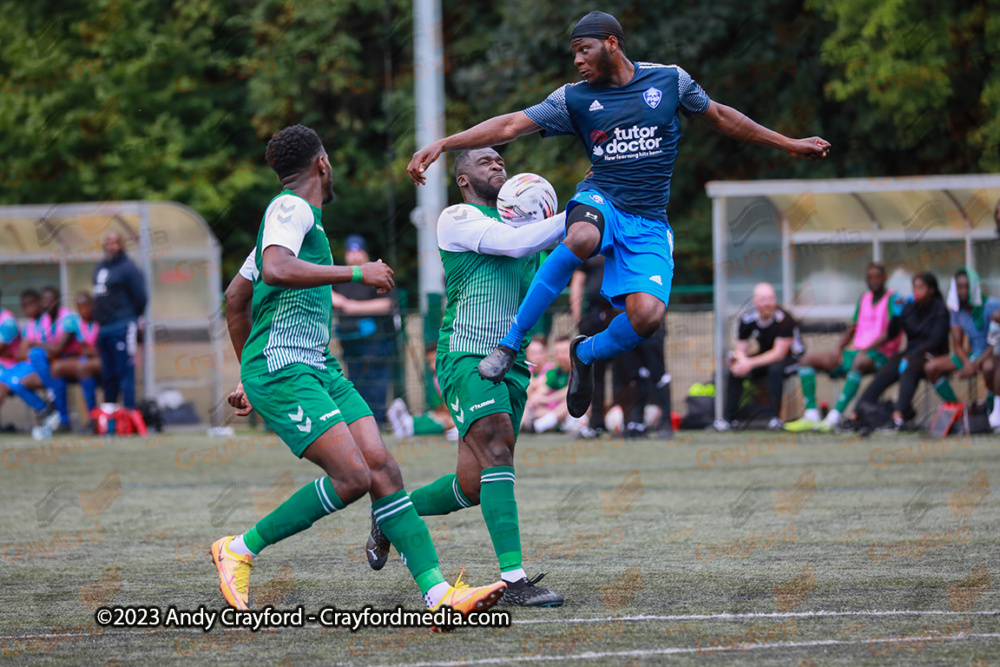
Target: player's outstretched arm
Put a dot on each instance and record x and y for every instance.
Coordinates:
(283, 269)
(732, 123)
(493, 132)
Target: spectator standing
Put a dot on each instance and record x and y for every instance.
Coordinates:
(119, 301)
(592, 314)
(366, 327)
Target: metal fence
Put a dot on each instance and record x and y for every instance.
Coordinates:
(688, 347)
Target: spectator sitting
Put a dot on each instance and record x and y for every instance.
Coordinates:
(969, 317)
(778, 351)
(16, 375)
(436, 420)
(539, 364)
(546, 404)
(53, 355)
(924, 320)
(871, 319)
(88, 363)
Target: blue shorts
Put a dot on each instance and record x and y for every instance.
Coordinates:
(14, 374)
(639, 252)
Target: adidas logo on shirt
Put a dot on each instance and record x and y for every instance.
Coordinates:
(596, 106)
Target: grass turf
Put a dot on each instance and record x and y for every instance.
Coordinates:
(749, 548)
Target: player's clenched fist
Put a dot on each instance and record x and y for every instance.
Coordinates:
(378, 275)
(812, 148)
(238, 399)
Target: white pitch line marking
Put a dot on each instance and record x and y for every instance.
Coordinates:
(730, 617)
(612, 619)
(591, 655)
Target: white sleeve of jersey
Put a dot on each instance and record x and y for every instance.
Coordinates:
(249, 268)
(461, 227)
(286, 223)
(523, 241)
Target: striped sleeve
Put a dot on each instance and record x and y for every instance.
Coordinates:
(691, 98)
(552, 115)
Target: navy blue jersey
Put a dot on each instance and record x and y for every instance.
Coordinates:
(630, 132)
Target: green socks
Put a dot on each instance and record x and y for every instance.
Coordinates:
(847, 393)
(408, 533)
(496, 498)
(425, 425)
(306, 506)
(807, 377)
(944, 390)
(442, 496)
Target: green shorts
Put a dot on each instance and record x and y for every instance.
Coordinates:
(847, 360)
(470, 397)
(300, 403)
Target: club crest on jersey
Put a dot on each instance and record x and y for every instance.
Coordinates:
(597, 198)
(652, 97)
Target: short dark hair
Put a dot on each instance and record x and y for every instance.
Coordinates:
(878, 266)
(29, 294)
(50, 288)
(462, 163)
(292, 149)
(85, 296)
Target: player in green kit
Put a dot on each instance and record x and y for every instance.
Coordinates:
(488, 267)
(289, 380)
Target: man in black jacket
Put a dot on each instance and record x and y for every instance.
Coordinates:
(119, 300)
(926, 322)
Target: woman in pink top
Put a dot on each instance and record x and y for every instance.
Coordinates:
(871, 320)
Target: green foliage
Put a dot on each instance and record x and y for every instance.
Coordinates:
(923, 71)
(172, 99)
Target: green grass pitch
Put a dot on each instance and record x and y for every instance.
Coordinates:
(735, 549)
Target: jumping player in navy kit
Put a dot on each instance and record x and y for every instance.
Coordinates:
(625, 114)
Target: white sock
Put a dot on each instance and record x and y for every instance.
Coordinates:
(513, 576)
(546, 423)
(811, 415)
(995, 415)
(238, 546)
(434, 595)
(832, 417)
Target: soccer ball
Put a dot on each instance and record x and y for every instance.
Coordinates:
(526, 198)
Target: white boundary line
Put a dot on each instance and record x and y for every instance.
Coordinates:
(591, 655)
(606, 619)
(730, 617)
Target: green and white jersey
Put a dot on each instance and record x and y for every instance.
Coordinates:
(483, 290)
(289, 325)
(250, 271)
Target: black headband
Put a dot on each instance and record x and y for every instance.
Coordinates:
(599, 25)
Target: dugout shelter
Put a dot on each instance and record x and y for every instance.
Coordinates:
(184, 342)
(812, 239)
